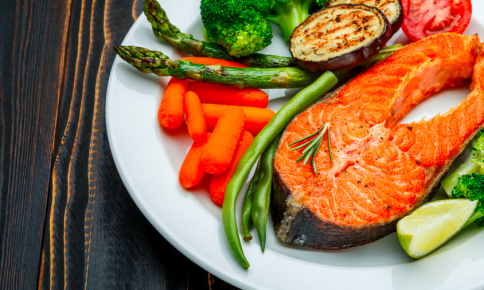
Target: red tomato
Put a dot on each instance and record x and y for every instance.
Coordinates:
(425, 17)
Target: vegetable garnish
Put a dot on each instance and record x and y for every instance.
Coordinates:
(426, 229)
(156, 62)
(312, 146)
(426, 17)
(275, 126)
(473, 164)
(471, 186)
(262, 194)
(255, 118)
(237, 25)
(192, 170)
(430, 226)
(247, 221)
(317, 48)
(196, 125)
(221, 147)
(152, 61)
(227, 95)
(219, 181)
(391, 8)
(171, 111)
(164, 30)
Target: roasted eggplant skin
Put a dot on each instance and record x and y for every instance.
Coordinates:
(348, 59)
(397, 23)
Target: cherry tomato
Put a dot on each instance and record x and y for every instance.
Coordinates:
(425, 17)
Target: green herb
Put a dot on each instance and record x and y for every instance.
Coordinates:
(312, 147)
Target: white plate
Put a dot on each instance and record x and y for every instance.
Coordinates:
(148, 159)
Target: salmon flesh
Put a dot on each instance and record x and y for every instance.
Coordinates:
(381, 170)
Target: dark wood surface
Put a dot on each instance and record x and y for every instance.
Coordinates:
(66, 220)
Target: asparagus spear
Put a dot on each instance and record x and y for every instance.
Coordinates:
(151, 61)
(166, 31)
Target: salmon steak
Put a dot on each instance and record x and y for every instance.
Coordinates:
(381, 170)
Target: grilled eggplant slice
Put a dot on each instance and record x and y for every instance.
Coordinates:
(338, 37)
(391, 8)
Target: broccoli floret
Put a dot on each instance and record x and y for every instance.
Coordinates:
(471, 186)
(473, 164)
(288, 14)
(467, 181)
(237, 25)
(480, 222)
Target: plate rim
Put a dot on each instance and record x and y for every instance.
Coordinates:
(184, 249)
(179, 245)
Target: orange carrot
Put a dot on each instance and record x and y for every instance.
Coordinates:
(197, 128)
(192, 171)
(213, 61)
(220, 148)
(228, 95)
(219, 182)
(255, 118)
(170, 114)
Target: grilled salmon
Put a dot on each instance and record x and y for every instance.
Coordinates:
(381, 170)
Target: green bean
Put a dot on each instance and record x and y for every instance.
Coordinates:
(247, 208)
(262, 195)
(280, 120)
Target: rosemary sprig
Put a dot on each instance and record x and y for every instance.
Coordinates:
(312, 147)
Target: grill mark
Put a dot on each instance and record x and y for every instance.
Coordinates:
(308, 33)
(375, 3)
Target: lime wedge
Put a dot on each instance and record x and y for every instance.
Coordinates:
(433, 224)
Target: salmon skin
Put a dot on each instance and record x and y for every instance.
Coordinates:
(381, 171)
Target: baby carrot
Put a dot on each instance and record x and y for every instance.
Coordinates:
(255, 118)
(191, 171)
(220, 148)
(213, 61)
(219, 182)
(170, 114)
(228, 95)
(197, 128)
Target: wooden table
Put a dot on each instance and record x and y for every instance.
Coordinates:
(66, 219)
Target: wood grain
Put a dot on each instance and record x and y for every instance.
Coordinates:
(66, 220)
(32, 65)
(94, 236)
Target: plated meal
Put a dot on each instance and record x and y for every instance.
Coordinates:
(335, 167)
